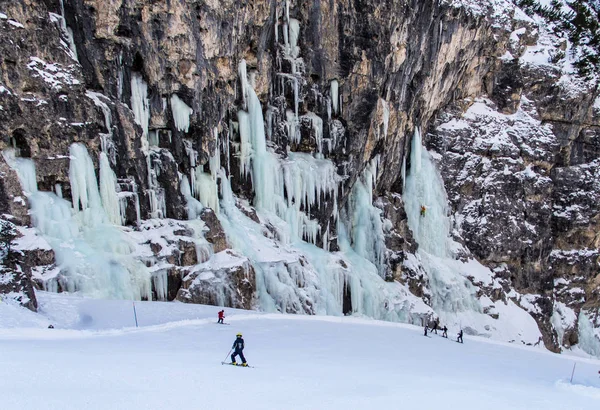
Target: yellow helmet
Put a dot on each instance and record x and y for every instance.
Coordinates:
(239, 335)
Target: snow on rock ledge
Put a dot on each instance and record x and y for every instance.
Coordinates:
(227, 279)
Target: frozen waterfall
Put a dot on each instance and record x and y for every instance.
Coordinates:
(92, 255)
(426, 208)
(453, 296)
(292, 273)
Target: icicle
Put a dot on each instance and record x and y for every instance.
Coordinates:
(287, 11)
(334, 96)
(24, 168)
(403, 173)
(58, 190)
(292, 127)
(269, 122)
(67, 32)
(317, 125)
(153, 138)
(286, 38)
(181, 113)
(109, 191)
(106, 140)
(276, 25)
(84, 188)
(160, 280)
(206, 187)
(385, 117)
(194, 207)
(244, 82)
(294, 30)
(415, 156)
(140, 106)
(325, 239)
(120, 82)
(156, 194)
(214, 162)
(245, 142)
(192, 154)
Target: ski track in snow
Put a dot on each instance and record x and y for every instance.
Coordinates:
(96, 359)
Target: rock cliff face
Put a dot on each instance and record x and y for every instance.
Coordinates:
(164, 92)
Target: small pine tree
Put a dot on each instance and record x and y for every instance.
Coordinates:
(8, 233)
(581, 25)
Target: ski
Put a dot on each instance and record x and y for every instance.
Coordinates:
(222, 323)
(236, 364)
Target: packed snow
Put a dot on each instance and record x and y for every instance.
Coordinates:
(95, 358)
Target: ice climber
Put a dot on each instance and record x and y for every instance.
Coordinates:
(238, 347)
(221, 316)
(460, 335)
(423, 209)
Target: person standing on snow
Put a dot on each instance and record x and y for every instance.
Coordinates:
(238, 347)
(221, 316)
(445, 334)
(460, 335)
(425, 330)
(434, 328)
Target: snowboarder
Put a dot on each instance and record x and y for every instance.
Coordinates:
(221, 316)
(434, 328)
(445, 334)
(423, 209)
(460, 335)
(238, 347)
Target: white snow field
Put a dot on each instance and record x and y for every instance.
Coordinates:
(95, 358)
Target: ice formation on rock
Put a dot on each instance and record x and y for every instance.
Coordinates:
(181, 113)
(93, 255)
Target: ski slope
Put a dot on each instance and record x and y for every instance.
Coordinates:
(95, 358)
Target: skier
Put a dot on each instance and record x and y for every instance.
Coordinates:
(434, 328)
(460, 335)
(221, 316)
(445, 334)
(423, 209)
(238, 345)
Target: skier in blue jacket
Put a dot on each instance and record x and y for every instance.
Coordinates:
(238, 347)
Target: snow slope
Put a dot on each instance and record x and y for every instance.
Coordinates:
(96, 359)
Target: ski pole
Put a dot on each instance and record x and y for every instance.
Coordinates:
(135, 314)
(228, 355)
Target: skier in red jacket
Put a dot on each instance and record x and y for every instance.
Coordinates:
(221, 316)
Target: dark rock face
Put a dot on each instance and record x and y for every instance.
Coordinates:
(17, 284)
(215, 234)
(15, 269)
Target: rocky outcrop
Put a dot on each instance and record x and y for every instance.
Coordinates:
(16, 282)
(227, 280)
